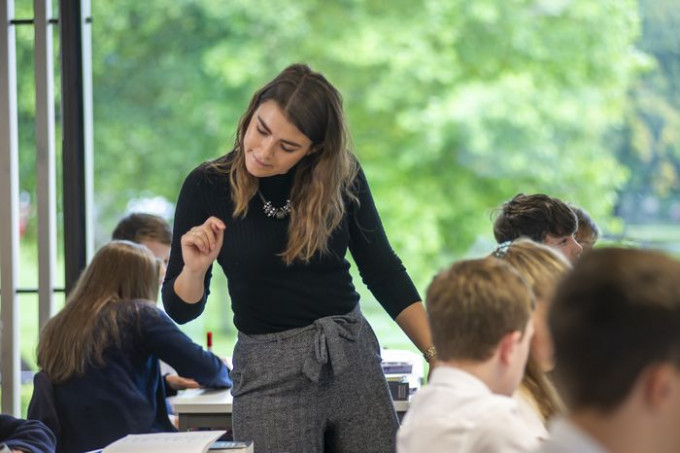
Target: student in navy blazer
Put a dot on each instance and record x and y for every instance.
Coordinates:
(99, 356)
(25, 435)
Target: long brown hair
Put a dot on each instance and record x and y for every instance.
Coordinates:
(323, 180)
(121, 276)
(541, 390)
(543, 268)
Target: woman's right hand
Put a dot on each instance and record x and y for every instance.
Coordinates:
(202, 244)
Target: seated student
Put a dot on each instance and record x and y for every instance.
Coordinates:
(542, 218)
(101, 352)
(615, 322)
(588, 232)
(480, 316)
(146, 229)
(29, 436)
(155, 234)
(543, 268)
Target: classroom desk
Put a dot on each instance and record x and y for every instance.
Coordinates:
(211, 409)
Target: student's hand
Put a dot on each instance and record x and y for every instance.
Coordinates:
(227, 362)
(180, 383)
(202, 244)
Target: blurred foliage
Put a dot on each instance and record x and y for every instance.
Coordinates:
(650, 136)
(454, 106)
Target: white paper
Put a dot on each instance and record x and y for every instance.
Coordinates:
(189, 442)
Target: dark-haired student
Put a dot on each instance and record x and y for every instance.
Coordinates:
(588, 232)
(616, 325)
(154, 233)
(29, 436)
(99, 356)
(150, 230)
(541, 218)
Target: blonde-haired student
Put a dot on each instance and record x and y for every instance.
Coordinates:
(543, 268)
(480, 316)
(99, 355)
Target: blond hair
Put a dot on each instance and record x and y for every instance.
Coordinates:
(473, 304)
(324, 179)
(120, 279)
(540, 265)
(543, 268)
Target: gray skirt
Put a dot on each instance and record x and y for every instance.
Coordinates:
(314, 389)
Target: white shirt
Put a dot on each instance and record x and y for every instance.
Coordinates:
(565, 437)
(457, 412)
(529, 413)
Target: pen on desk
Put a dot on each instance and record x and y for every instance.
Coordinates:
(209, 341)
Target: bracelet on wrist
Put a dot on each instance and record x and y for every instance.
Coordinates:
(430, 353)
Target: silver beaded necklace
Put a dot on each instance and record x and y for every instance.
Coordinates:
(271, 211)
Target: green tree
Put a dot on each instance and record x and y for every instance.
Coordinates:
(649, 140)
(454, 105)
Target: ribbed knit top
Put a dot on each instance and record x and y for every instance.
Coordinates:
(266, 294)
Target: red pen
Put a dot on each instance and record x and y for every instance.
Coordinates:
(209, 341)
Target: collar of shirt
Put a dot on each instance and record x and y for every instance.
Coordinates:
(569, 437)
(464, 382)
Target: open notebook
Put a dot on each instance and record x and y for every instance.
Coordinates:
(188, 442)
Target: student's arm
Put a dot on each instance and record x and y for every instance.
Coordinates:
(164, 339)
(26, 435)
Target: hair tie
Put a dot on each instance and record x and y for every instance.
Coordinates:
(502, 249)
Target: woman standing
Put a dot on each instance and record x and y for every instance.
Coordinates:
(279, 213)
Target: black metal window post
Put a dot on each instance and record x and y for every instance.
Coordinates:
(76, 118)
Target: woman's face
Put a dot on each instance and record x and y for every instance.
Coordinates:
(542, 344)
(272, 144)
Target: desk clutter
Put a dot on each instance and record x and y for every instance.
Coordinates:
(403, 371)
(232, 447)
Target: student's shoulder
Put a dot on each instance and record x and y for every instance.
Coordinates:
(501, 428)
(136, 311)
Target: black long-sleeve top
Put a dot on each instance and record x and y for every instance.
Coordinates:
(26, 435)
(266, 294)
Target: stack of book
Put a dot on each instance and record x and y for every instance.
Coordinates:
(403, 371)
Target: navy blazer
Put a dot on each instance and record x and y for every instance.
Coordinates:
(127, 394)
(27, 435)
